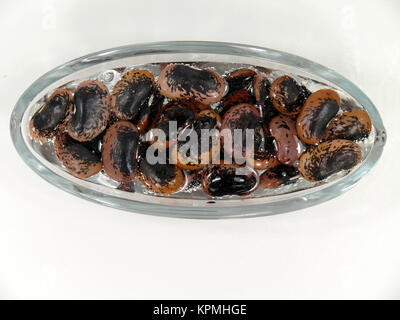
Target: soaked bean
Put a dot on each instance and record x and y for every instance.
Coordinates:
(318, 110)
(288, 145)
(132, 93)
(276, 174)
(350, 125)
(170, 135)
(188, 161)
(329, 158)
(208, 119)
(223, 180)
(92, 103)
(184, 112)
(240, 117)
(201, 106)
(95, 145)
(119, 151)
(240, 79)
(195, 158)
(238, 97)
(287, 95)
(261, 88)
(264, 149)
(76, 157)
(149, 112)
(52, 115)
(179, 81)
(160, 178)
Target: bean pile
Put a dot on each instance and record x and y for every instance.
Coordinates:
(296, 133)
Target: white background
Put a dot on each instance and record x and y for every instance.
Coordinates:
(54, 245)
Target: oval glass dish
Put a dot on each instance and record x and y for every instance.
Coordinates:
(106, 67)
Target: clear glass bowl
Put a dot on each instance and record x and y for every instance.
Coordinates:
(102, 65)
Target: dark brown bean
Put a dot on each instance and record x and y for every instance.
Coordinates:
(289, 146)
(240, 117)
(201, 106)
(240, 79)
(52, 115)
(287, 95)
(276, 174)
(132, 93)
(350, 125)
(329, 158)
(318, 110)
(184, 112)
(261, 88)
(119, 151)
(159, 141)
(237, 97)
(261, 91)
(160, 178)
(149, 112)
(76, 157)
(179, 81)
(207, 120)
(92, 103)
(223, 180)
(264, 149)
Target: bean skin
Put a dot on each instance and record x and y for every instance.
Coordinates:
(201, 106)
(149, 112)
(264, 149)
(240, 79)
(350, 125)
(287, 95)
(261, 92)
(318, 110)
(92, 103)
(185, 160)
(179, 81)
(184, 112)
(207, 120)
(237, 97)
(132, 93)
(276, 174)
(160, 178)
(261, 88)
(289, 146)
(329, 158)
(119, 151)
(76, 157)
(241, 117)
(52, 116)
(222, 180)
(157, 141)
